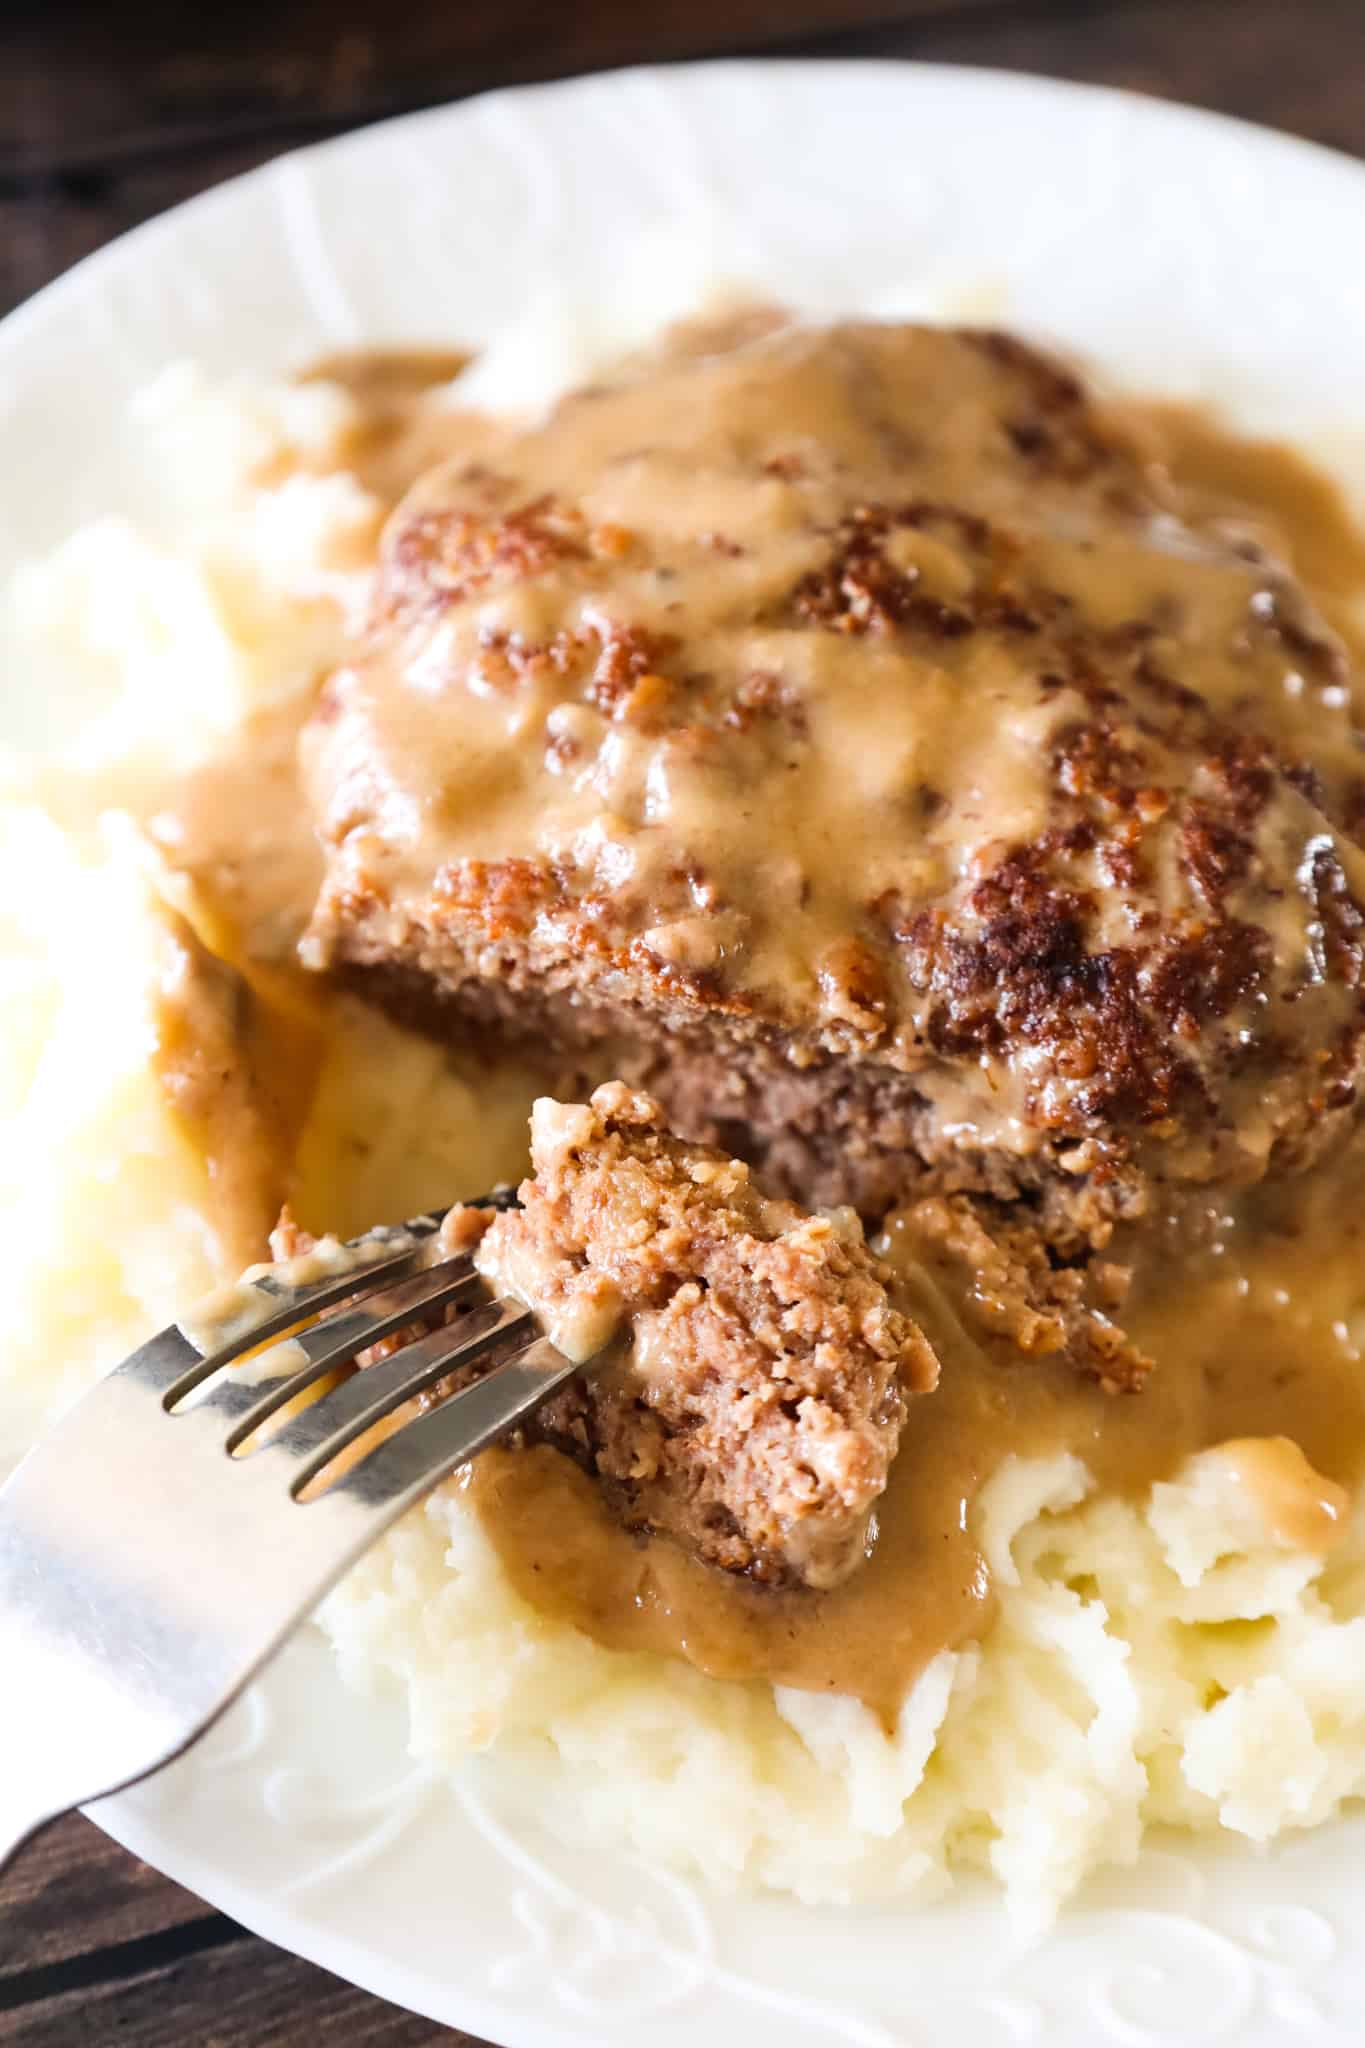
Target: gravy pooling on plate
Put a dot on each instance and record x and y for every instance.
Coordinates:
(1246, 1301)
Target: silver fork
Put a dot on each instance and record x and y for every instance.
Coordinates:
(147, 1573)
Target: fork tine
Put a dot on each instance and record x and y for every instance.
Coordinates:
(335, 1342)
(163, 1622)
(256, 1320)
(161, 1363)
(335, 1421)
(410, 1461)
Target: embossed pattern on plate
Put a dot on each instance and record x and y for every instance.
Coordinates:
(301, 1816)
(1181, 252)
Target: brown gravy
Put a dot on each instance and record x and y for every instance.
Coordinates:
(237, 1065)
(1252, 1338)
(634, 672)
(238, 827)
(1293, 508)
(400, 431)
(1253, 1318)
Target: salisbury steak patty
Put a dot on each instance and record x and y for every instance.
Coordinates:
(847, 733)
(756, 1370)
(756, 1399)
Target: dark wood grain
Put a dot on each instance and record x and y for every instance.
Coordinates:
(72, 1891)
(157, 79)
(110, 111)
(1293, 64)
(228, 1995)
(48, 223)
(110, 115)
(97, 1947)
(139, 78)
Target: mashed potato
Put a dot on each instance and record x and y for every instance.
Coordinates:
(1172, 1660)
(104, 1202)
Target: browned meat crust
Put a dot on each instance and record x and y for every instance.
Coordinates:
(757, 1386)
(758, 1373)
(846, 737)
(998, 1278)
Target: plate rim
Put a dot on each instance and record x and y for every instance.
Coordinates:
(128, 246)
(272, 1917)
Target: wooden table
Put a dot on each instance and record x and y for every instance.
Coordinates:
(110, 112)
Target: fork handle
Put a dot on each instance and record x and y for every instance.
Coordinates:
(38, 1771)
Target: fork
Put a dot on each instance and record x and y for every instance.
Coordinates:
(153, 1558)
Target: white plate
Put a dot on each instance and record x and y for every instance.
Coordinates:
(1179, 251)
